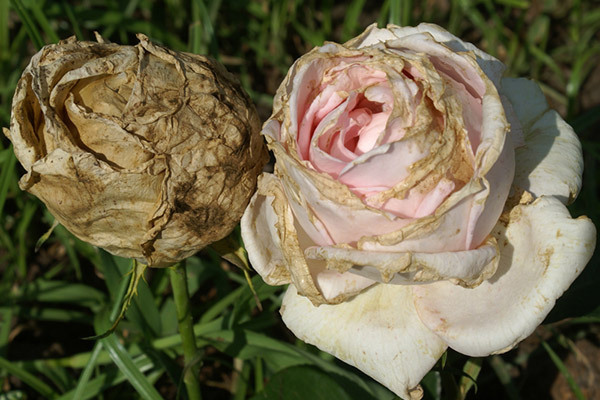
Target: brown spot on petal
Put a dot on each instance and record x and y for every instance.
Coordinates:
(545, 255)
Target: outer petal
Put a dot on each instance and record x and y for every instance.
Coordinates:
(542, 252)
(467, 268)
(379, 332)
(372, 35)
(550, 163)
(261, 240)
(275, 246)
(492, 67)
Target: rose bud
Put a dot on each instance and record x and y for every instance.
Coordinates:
(417, 202)
(143, 151)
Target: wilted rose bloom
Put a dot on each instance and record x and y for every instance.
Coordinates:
(146, 152)
(418, 202)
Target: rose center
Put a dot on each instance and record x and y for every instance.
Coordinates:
(356, 136)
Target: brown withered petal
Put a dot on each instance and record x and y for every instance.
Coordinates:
(143, 151)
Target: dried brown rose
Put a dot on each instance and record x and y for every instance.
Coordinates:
(143, 151)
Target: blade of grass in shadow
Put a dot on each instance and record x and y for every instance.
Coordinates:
(89, 368)
(580, 71)
(121, 15)
(72, 19)
(21, 231)
(106, 380)
(32, 30)
(203, 39)
(126, 365)
(501, 370)
(6, 175)
(40, 17)
(51, 314)
(36, 384)
(406, 13)
(564, 371)
(4, 30)
(6, 315)
(395, 12)
(351, 20)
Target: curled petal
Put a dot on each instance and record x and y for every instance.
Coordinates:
(542, 250)
(261, 239)
(272, 239)
(319, 201)
(467, 268)
(379, 332)
(550, 163)
(275, 249)
(117, 214)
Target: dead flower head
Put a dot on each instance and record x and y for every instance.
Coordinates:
(143, 151)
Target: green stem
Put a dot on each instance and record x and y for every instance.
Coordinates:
(186, 330)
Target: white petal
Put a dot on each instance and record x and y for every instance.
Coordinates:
(542, 251)
(261, 239)
(550, 163)
(467, 267)
(492, 67)
(378, 331)
(371, 36)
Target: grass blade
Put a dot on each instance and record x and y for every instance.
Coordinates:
(126, 365)
(32, 30)
(42, 388)
(6, 176)
(72, 19)
(36, 9)
(352, 17)
(501, 370)
(471, 370)
(563, 370)
(89, 367)
(4, 30)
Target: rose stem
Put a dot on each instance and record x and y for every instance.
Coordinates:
(178, 276)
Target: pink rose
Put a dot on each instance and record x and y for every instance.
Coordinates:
(388, 213)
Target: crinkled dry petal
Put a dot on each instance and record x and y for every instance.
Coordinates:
(143, 151)
(275, 248)
(542, 250)
(379, 332)
(550, 163)
(261, 238)
(467, 268)
(90, 182)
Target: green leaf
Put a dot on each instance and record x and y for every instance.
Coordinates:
(301, 383)
(126, 365)
(38, 14)
(32, 30)
(6, 174)
(501, 369)
(101, 382)
(35, 383)
(6, 314)
(564, 371)
(468, 380)
(432, 385)
(61, 292)
(137, 274)
(353, 13)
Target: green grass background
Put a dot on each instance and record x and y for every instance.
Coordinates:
(67, 290)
